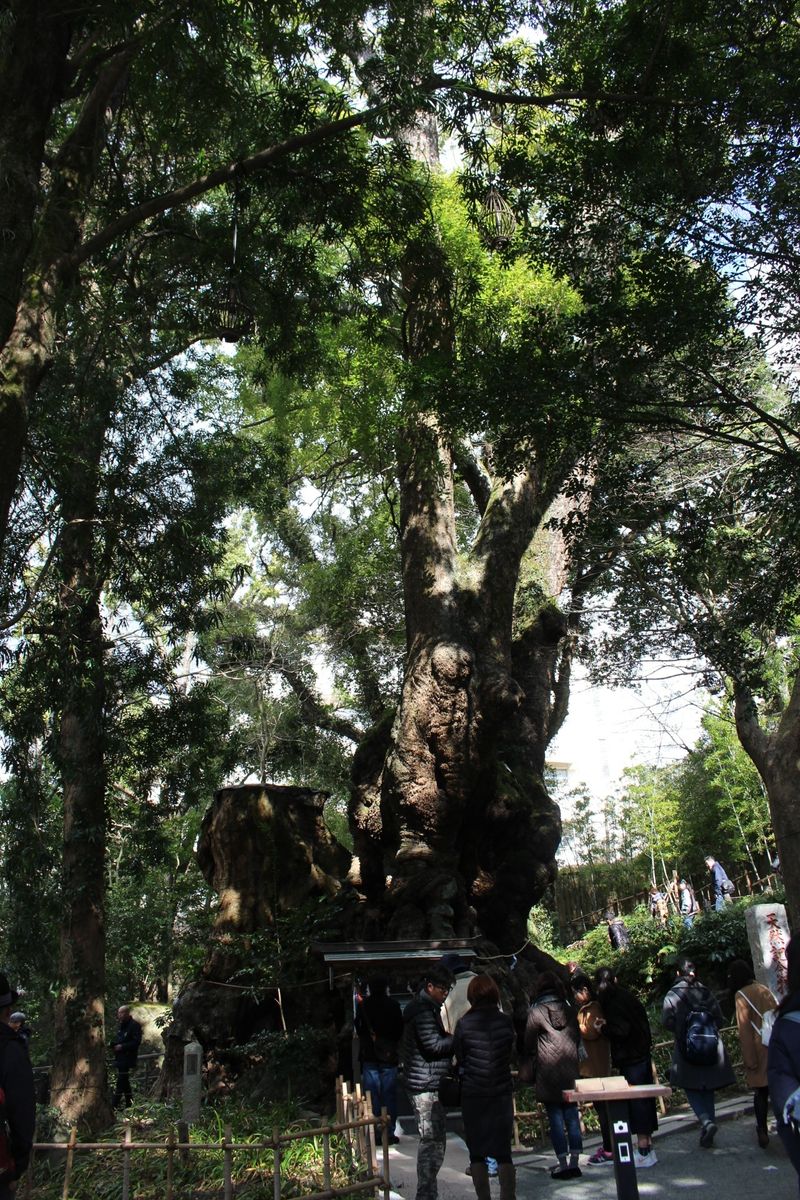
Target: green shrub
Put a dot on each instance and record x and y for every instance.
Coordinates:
(647, 967)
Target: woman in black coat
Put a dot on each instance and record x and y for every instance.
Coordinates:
(627, 1028)
(483, 1040)
(783, 1060)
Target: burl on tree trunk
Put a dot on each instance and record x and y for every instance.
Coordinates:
(266, 850)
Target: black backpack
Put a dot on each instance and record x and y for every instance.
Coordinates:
(699, 1041)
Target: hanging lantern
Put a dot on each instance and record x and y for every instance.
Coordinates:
(230, 317)
(499, 223)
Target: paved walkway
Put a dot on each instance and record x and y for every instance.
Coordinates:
(736, 1167)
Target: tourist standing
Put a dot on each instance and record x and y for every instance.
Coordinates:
(427, 1051)
(783, 1060)
(752, 1001)
(16, 1080)
(379, 1025)
(722, 886)
(484, 1039)
(700, 1062)
(628, 1030)
(687, 902)
(127, 1040)
(551, 1044)
(596, 1060)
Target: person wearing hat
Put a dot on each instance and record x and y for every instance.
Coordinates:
(16, 1080)
(18, 1024)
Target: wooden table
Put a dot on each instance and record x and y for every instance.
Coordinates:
(616, 1094)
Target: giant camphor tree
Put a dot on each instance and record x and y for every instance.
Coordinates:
(480, 392)
(116, 121)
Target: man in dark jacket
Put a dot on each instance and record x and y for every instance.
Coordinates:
(626, 1025)
(126, 1051)
(427, 1051)
(16, 1080)
(723, 888)
(379, 1025)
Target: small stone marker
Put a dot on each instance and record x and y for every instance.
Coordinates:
(192, 1080)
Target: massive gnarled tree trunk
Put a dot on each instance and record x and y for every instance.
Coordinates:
(466, 830)
(777, 759)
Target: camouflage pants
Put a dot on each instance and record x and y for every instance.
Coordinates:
(432, 1139)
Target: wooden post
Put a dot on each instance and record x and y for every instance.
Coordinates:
(183, 1136)
(126, 1163)
(227, 1164)
(276, 1164)
(73, 1137)
(660, 1101)
(385, 1127)
(326, 1159)
(515, 1122)
(170, 1163)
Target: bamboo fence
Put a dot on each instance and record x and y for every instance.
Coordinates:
(354, 1119)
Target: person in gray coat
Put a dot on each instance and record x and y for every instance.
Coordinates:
(551, 1044)
(688, 995)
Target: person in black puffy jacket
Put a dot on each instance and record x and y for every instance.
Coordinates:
(427, 1051)
(484, 1038)
(783, 1060)
(16, 1080)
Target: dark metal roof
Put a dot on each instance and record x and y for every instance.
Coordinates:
(344, 954)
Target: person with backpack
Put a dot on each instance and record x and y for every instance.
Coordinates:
(783, 1060)
(625, 1024)
(700, 1062)
(755, 1007)
(723, 887)
(617, 931)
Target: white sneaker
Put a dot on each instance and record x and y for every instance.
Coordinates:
(645, 1160)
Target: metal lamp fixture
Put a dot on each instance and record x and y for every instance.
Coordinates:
(231, 319)
(499, 223)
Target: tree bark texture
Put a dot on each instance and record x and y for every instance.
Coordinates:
(777, 758)
(79, 1085)
(264, 849)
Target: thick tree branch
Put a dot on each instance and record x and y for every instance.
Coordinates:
(474, 475)
(226, 174)
(755, 741)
